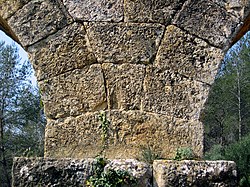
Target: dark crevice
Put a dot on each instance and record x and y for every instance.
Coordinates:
(50, 34)
(152, 60)
(105, 85)
(143, 88)
(195, 35)
(63, 9)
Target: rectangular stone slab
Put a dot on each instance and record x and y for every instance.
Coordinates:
(74, 92)
(169, 173)
(128, 134)
(72, 172)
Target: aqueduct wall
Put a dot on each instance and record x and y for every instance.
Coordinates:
(148, 64)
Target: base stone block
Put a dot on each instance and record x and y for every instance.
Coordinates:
(66, 172)
(169, 173)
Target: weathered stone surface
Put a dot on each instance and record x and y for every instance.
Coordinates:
(72, 172)
(74, 92)
(212, 23)
(125, 42)
(36, 20)
(187, 55)
(141, 171)
(172, 94)
(124, 85)
(129, 132)
(95, 10)
(168, 173)
(51, 172)
(51, 56)
(8, 8)
(143, 11)
(238, 8)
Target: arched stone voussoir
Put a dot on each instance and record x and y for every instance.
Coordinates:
(64, 51)
(37, 20)
(95, 10)
(135, 43)
(212, 20)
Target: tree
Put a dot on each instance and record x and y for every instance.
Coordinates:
(22, 121)
(226, 115)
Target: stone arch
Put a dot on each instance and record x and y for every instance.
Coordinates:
(148, 64)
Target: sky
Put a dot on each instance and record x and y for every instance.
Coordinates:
(22, 53)
(8, 40)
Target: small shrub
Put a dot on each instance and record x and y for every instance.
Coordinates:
(148, 155)
(110, 177)
(215, 153)
(184, 153)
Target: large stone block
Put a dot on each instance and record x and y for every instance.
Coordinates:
(74, 92)
(149, 11)
(168, 173)
(124, 85)
(95, 10)
(172, 94)
(129, 133)
(208, 21)
(61, 52)
(125, 42)
(187, 55)
(51, 172)
(36, 20)
(239, 8)
(72, 172)
(8, 8)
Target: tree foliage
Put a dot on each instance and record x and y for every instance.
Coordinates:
(22, 121)
(227, 112)
(226, 116)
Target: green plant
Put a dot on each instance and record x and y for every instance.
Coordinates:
(104, 126)
(148, 155)
(184, 153)
(110, 177)
(240, 153)
(215, 153)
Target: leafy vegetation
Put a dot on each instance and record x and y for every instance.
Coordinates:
(109, 177)
(227, 111)
(184, 153)
(148, 155)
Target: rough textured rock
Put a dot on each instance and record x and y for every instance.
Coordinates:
(187, 55)
(74, 92)
(51, 56)
(129, 133)
(125, 42)
(51, 172)
(124, 85)
(212, 23)
(141, 171)
(143, 11)
(95, 10)
(169, 173)
(8, 8)
(172, 94)
(36, 20)
(71, 172)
